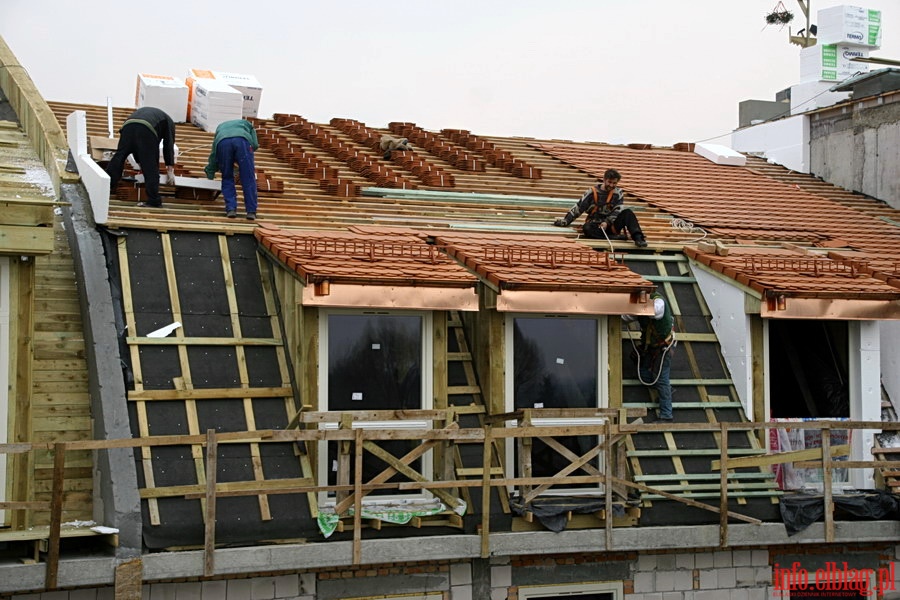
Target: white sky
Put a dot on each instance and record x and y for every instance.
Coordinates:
(647, 71)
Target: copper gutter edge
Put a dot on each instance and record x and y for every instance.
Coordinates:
(386, 296)
(783, 307)
(575, 302)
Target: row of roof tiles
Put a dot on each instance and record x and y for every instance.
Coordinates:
(761, 205)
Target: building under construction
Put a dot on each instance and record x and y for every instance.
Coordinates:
(402, 381)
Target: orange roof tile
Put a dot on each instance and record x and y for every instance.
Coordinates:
(388, 258)
(783, 276)
(597, 281)
(311, 176)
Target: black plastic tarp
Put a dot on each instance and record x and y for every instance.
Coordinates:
(799, 511)
(552, 511)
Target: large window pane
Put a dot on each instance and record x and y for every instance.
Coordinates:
(555, 366)
(555, 363)
(374, 362)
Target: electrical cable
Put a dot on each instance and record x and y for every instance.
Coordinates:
(789, 110)
(665, 351)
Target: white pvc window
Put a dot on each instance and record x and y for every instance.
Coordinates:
(554, 361)
(606, 590)
(375, 360)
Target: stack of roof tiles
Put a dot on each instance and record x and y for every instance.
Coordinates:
(455, 155)
(427, 171)
(494, 155)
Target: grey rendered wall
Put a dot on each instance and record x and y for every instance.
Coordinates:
(857, 149)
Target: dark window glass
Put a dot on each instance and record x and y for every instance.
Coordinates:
(555, 366)
(374, 362)
(555, 362)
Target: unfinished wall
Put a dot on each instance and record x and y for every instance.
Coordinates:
(705, 574)
(856, 147)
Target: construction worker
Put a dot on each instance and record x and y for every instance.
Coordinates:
(654, 354)
(140, 136)
(235, 142)
(607, 217)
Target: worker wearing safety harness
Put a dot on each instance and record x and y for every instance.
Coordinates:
(654, 353)
(607, 217)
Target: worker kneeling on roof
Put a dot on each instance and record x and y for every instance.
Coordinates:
(607, 217)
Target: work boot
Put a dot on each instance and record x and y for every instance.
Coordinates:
(231, 214)
(640, 241)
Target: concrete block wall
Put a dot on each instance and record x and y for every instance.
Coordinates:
(741, 574)
(715, 575)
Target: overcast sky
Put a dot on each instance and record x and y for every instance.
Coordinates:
(648, 71)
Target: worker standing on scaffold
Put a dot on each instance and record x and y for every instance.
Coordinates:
(653, 355)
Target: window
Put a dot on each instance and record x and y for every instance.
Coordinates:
(809, 379)
(809, 369)
(583, 591)
(375, 361)
(555, 364)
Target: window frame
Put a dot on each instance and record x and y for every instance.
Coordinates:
(536, 592)
(427, 396)
(602, 392)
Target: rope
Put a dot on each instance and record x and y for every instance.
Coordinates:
(688, 227)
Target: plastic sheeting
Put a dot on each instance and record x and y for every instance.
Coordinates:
(799, 511)
(552, 511)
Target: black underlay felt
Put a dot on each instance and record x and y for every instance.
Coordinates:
(203, 310)
(553, 511)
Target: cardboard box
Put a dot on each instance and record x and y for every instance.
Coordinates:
(214, 102)
(846, 24)
(169, 94)
(831, 62)
(246, 85)
(190, 81)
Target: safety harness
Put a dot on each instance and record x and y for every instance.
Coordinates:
(596, 206)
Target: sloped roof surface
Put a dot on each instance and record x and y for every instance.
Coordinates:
(384, 257)
(316, 176)
(796, 273)
(535, 262)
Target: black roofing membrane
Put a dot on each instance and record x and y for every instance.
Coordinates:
(204, 312)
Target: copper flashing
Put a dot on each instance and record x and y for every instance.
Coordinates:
(580, 302)
(393, 297)
(783, 307)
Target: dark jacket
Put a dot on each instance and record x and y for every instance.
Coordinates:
(599, 204)
(161, 124)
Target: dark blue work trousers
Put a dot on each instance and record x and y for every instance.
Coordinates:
(231, 151)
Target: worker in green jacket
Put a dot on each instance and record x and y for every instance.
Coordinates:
(654, 355)
(235, 142)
